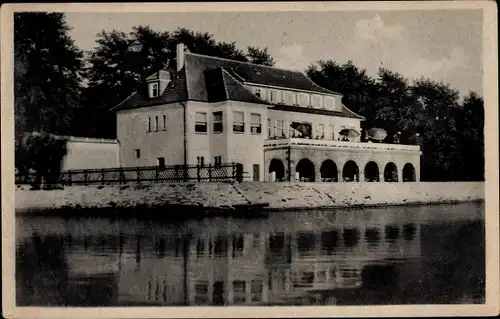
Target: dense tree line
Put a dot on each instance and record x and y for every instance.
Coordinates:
(424, 112)
(62, 90)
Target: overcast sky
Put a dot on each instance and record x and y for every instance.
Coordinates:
(442, 45)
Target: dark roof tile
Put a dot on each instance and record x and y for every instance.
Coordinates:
(210, 79)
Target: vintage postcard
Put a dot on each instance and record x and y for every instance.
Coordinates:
(293, 159)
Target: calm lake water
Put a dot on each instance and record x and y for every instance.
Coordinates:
(392, 255)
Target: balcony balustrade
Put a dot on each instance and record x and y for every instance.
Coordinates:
(341, 145)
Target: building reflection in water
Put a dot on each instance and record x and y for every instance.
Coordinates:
(286, 259)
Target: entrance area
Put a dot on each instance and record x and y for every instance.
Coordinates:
(329, 172)
(372, 172)
(390, 172)
(409, 173)
(350, 173)
(278, 168)
(305, 169)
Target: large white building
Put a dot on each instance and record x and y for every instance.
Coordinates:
(278, 123)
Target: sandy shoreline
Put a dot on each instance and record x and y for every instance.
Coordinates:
(224, 198)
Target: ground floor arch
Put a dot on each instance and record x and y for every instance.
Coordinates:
(305, 170)
(409, 173)
(329, 172)
(350, 172)
(372, 172)
(278, 168)
(391, 172)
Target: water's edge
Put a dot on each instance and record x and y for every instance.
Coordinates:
(245, 199)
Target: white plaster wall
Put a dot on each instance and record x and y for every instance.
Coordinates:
(91, 154)
(132, 134)
(247, 148)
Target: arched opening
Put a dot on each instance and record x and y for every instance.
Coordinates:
(305, 168)
(350, 172)
(391, 172)
(409, 173)
(278, 168)
(329, 171)
(371, 172)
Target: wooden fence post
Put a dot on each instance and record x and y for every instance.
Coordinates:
(85, 177)
(185, 173)
(138, 176)
(102, 176)
(157, 174)
(233, 174)
(198, 172)
(209, 172)
(69, 177)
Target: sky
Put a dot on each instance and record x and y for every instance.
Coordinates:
(443, 45)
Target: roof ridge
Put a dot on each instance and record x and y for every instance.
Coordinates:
(319, 86)
(186, 79)
(244, 87)
(224, 81)
(243, 62)
(126, 99)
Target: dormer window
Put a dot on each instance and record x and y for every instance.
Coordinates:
(257, 92)
(153, 89)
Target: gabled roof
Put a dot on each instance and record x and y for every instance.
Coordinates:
(163, 74)
(211, 79)
(246, 72)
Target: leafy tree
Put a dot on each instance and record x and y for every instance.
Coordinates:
(259, 56)
(470, 127)
(121, 61)
(440, 104)
(42, 153)
(397, 108)
(47, 73)
(451, 133)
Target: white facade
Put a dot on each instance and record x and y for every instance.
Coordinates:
(90, 153)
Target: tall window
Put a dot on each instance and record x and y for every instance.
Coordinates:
(238, 122)
(256, 290)
(332, 132)
(280, 132)
(239, 292)
(156, 123)
(217, 161)
(217, 122)
(164, 122)
(273, 96)
(269, 128)
(200, 125)
(255, 123)
(161, 162)
(320, 131)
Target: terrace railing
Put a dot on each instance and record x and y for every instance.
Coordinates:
(225, 172)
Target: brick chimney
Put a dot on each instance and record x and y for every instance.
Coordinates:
(180, 56)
